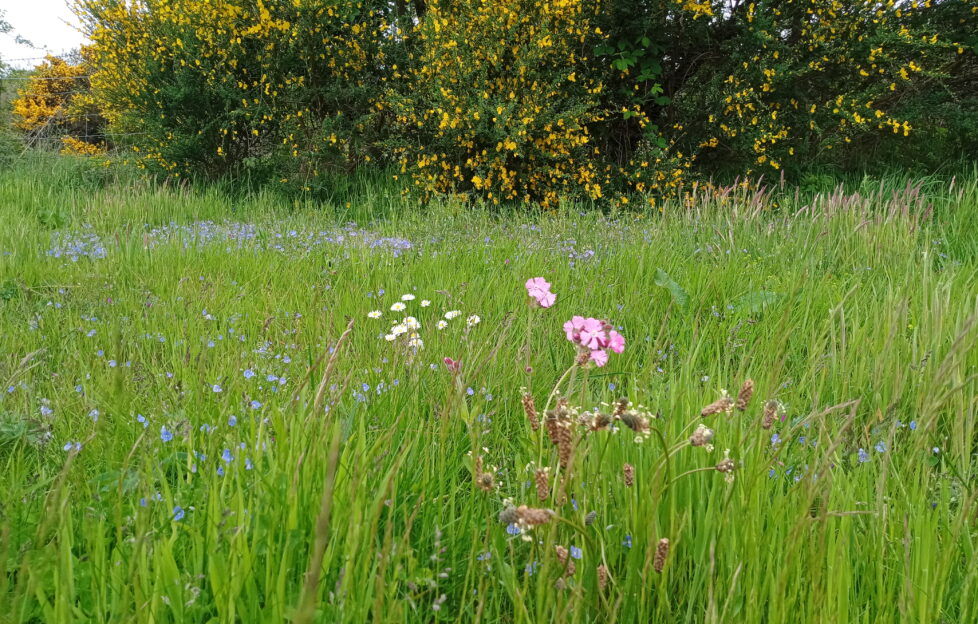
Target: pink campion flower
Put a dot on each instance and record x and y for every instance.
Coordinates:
(453, 366)
(599, 357)
(592, 334)
(539, 290)
(616, 342)
(573, 327)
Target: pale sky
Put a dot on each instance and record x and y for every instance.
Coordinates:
(48, 24)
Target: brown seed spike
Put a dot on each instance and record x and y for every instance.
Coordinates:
(620, 406)
(661, 553)
(543, 483)
(602, 577)
(771, 408)
(529, 407)
(563, 556)
(629, 471)
(746, 392)
(531, 516)
(723, 404)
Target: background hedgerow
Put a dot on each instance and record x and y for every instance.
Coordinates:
(532, 100)
(282, 91)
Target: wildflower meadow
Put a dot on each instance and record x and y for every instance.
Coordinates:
(227, 408)
(489, 311)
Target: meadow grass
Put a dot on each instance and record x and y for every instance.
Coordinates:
(187, 433)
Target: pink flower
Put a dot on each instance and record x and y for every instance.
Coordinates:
(453, 366)
(616, 341)
(539, 290)
(592, 335)
(599, 357)
(573, 327)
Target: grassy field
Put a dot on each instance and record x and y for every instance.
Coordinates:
(201, 422)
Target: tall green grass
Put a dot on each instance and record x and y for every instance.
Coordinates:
(856, 312)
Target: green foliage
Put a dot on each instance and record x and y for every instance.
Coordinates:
(872, 330)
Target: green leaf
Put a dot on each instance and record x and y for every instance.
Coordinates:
(756, 301)
(663, 280)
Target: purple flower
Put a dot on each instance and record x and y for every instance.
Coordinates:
(165, 434)
(512, 529)
(178, 513)
(863, 456)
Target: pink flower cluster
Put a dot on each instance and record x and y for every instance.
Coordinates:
(596, 336)
(539, 291)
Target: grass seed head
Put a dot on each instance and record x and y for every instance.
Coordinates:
(746, 392)
(629, 471)
(661, 553)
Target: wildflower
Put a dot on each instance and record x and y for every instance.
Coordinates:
(863, 456)
(255, 404)
(771, 409)
(412, 323)
(425, 303)
(539, 291)
(217, 388)
(702, 436)
(407, 297)
(232, 420)
(398, 307)
(451, 314)
(72, 446)
(399, 329)
(629, 472)
(165, 434)
(375, 314)
(602, 576)
(723, 404)
(390, 337)
(512, 529)
(576, 552)
(473, 320)
(178, 513)
(442, 324)
(563, 556)
(880, 447)
(542, 479)
(627, 543)
(226, 456)
(529, 408)
(745, 394)
(913, 425)
(661, 552)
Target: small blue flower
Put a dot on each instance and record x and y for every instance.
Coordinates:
(93, 415)
(142, 502)
(771, 473)
(628, 541)
(611, 387)
(178, 513)
(220, 471)
(576, 552)
(255, 404)
(880, 447)
(112, 363)
(863, 456)
(532, 567)
(232, 420)
(469, 391)
(366, 387)
(165, 434)
(913, 425)
(574, 503)
(775, 439)
(248, 464)
(512, 529)
(248, 374)
(226, 456)
(217, 388)
(935, 450)
(484, 556)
